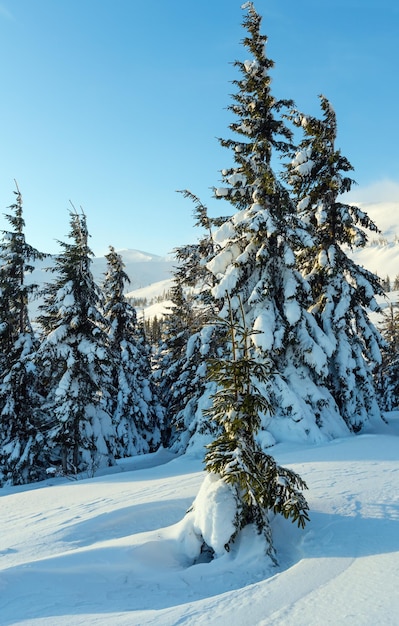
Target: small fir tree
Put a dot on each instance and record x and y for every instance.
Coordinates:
(387, 374)
(386, 283)
(256, 483)
(136, 410)
(153, 330)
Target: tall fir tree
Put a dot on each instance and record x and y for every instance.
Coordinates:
(22, 450)
(75, 360)
(342, 291)
(136, 410)
(255, 256)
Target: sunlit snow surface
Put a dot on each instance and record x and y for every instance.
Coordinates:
(110, 550)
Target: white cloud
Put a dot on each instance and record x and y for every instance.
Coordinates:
(379, 191)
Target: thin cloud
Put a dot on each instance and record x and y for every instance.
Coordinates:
(379, 191)
(4, 12)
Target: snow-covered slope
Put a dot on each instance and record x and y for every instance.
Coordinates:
(381, 255)
(156, 297)
(142, 268)
(109, 550)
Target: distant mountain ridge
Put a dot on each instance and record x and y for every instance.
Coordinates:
(142, 268)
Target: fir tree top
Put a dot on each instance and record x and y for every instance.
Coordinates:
(16, 256)
(318, 176)
(261, 129)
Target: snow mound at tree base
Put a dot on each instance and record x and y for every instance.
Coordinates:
(210, 520)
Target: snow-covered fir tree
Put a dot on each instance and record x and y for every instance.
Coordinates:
(75, 361)
(189, 338)
(22, 456)
(136, 411)
(244, 485)
(342, 291)
(387, 374)
(255, 257)
(177, 326)
(184, 389)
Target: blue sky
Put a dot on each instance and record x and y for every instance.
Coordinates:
(116, 104)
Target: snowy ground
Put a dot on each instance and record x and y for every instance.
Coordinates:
(107, 551)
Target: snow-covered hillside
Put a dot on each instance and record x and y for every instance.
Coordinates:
(155, 297)
(142, 268)
(381, 254)
(109, 550)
